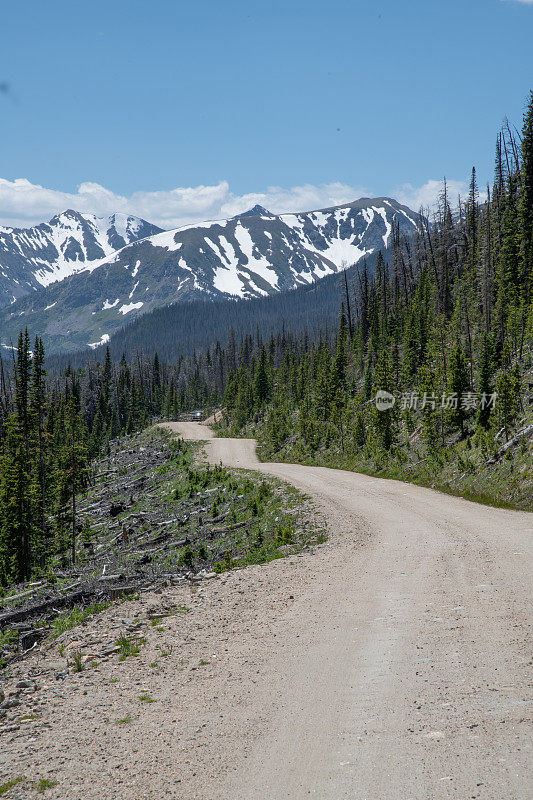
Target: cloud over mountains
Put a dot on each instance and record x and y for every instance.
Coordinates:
(23, 203)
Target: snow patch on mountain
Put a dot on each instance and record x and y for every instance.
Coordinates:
(338, 242)
(228, 281)
(126, 308)
(166, 240)
(31, 258)
(257, 263)
(104, 340)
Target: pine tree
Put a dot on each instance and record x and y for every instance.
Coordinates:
(15, 522)
(22, 385)
(71, 472)
(525, 208)
(507, 399)
(384, 422)
(38, 455)
(261, 381)
(459, 385)
(472, 223)
(323, 398)
(484, 382)
(338, 372)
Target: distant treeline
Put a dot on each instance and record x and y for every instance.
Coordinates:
(52, 426)
(186, 328)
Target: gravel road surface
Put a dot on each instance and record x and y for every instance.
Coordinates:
(403, 668)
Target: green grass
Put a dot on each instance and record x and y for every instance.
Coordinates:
(199, 493)
(129, 647)
(5, 787)
(124, 721)
(462, 469)
(78, 615)
(259, 516)
(438, 484)
(231, 518)
(45, 784)
(146, 698)
(490, 485)
(8, 639)
(79, 666)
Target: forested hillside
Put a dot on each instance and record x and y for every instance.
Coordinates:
(50, 431)
(183, 329)
(445, 348)
(52, 427)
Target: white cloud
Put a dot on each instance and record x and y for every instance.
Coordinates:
(23, 203)
(427, 195)
(524, 2)
(298, 198)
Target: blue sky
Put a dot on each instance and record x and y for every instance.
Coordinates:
(184, 110)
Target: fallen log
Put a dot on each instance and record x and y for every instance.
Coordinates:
(39, 608)
(116, 591)
(75, 598)
(27, 593)
(521, 434)
(72, 586)
(229, 528)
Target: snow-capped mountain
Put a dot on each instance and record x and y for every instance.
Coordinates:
(31, 258)
(257, 253)
(253, 254)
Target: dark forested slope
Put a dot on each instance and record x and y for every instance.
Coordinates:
(182, 329)
(432, 379)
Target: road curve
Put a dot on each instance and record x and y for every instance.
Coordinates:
(403, 669)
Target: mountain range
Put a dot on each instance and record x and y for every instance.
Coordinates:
(31, 258)
(308, 312)
(93, 284)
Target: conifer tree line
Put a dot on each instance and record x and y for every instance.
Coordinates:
(53, 426)
(450, 315)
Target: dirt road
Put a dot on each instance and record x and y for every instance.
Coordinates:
(401, 670)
